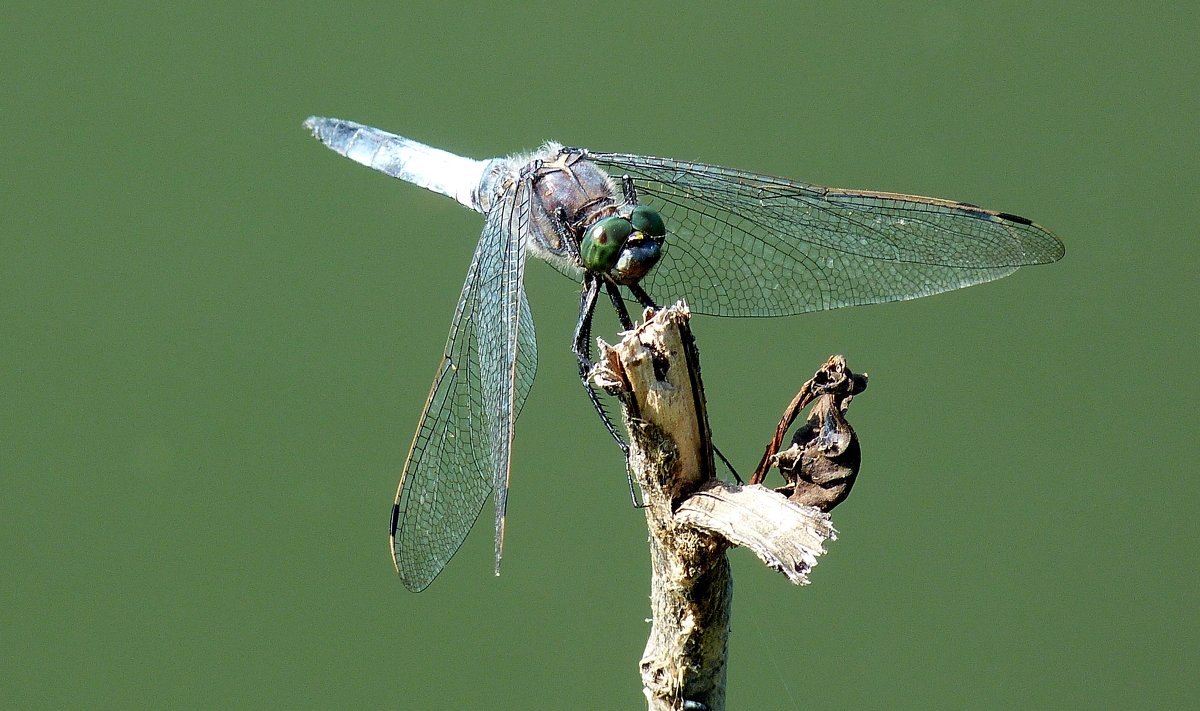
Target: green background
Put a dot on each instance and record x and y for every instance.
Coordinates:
(216, 337)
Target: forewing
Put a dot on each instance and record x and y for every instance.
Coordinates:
(461, 450)
(741, 244)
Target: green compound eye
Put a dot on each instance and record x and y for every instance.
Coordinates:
(601, 246)
(648, 221)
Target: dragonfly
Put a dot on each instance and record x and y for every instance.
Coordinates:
(728, 242)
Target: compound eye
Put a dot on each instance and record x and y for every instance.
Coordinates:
(601, 245)
(647, 220)
(638, 257)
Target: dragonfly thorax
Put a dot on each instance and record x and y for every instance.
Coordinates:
(574, 201)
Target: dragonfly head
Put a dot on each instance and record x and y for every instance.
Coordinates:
(625, 248)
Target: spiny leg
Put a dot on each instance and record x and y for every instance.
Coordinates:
(728, 466)
(582, 347)
(614, 293)
(628, 190)
(558, 220)
(643, 298)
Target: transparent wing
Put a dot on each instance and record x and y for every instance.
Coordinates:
(741, 244)
(462, 446)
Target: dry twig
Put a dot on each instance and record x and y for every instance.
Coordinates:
(692, 516)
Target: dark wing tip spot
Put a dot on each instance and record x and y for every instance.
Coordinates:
(1014, 218)
(395, 519)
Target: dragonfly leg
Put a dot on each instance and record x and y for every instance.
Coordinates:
(629, 190)
(582, 348)
(565, 237)
(643, 298)
(614, 293)
(728, 466)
